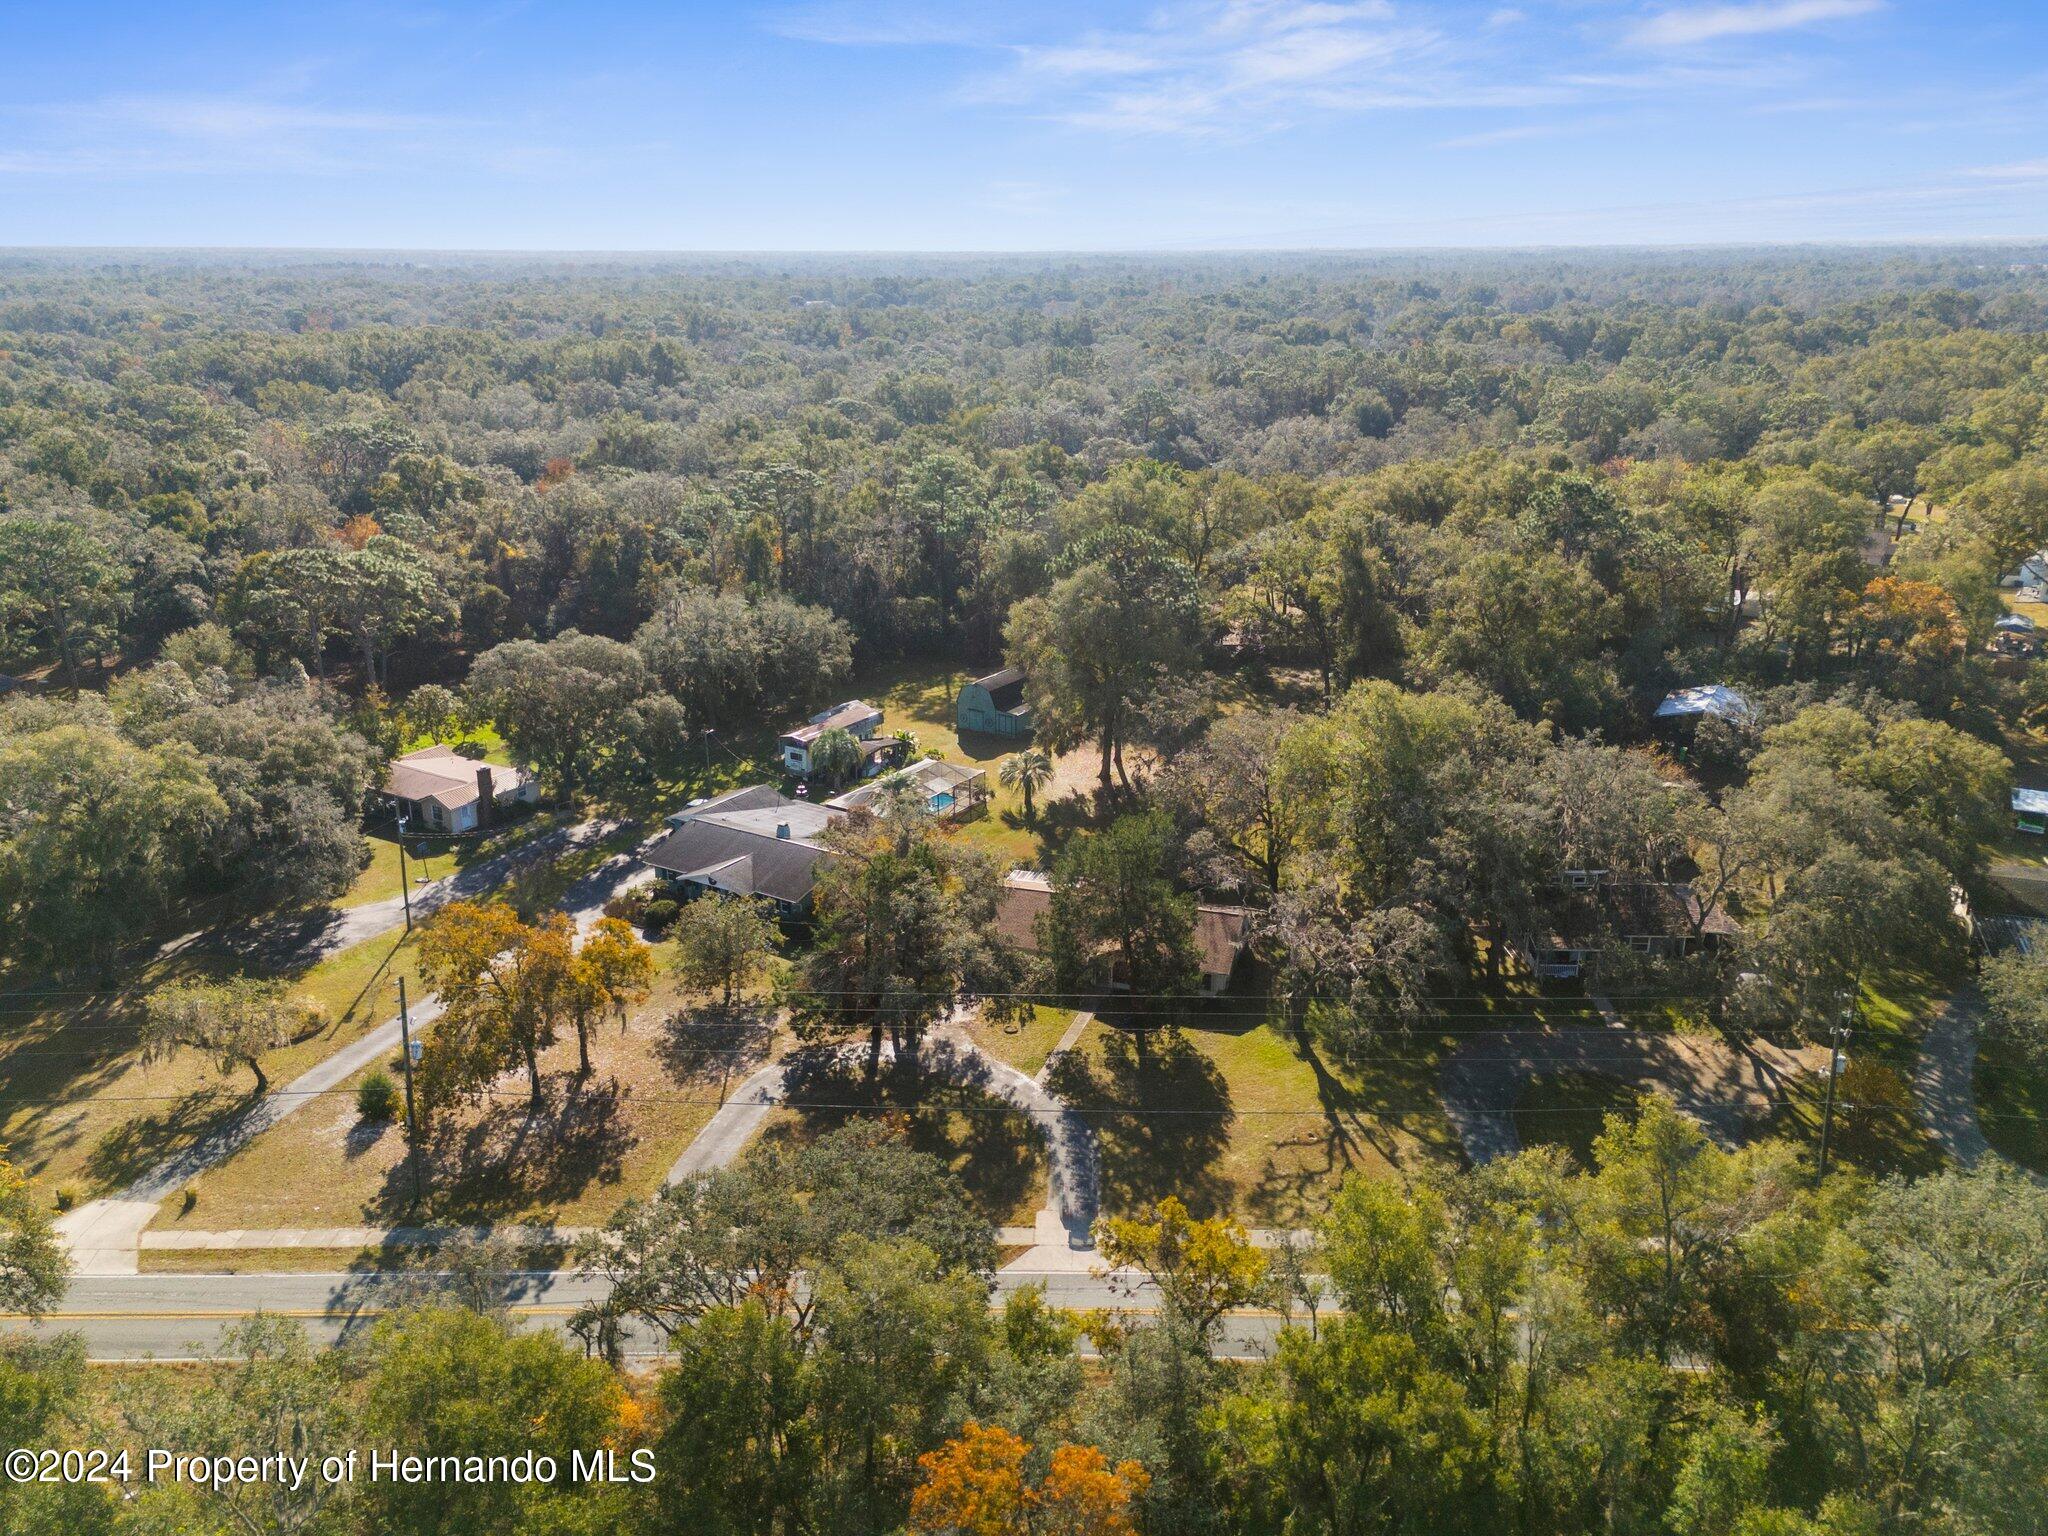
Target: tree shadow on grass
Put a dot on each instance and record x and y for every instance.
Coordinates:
(714, 1043)
(1163, 1117)
(507, 1156)
(135, 1147)
(941, 1104)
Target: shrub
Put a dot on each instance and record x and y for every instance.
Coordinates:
(660, 915)
(376, 1098)
(630, 906)
(188, 1197)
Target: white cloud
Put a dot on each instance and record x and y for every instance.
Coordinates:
(1203, 67)
(226, 134)
(1234, 68)
(1684, 25)
(2025, 170)
(1511, 135)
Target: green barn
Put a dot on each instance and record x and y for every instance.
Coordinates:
(994, 705)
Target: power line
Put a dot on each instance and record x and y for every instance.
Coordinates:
(1376, 1112)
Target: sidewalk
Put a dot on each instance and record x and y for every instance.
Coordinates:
(264, 1240)
(105, 1236)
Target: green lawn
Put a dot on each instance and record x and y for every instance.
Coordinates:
(2012, 1108)
(996, 1150)
(481, 741)
(444, 855)
(82, 1112)
(921, 697)
(1023, 1045)
(1240, 1117)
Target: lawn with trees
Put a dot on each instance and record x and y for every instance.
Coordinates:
(1348, 593)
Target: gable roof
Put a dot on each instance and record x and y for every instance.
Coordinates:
(1221, 933)
(735, 843)
(443, 775)
(1005, 688)
(1707, 699)
(845, 717)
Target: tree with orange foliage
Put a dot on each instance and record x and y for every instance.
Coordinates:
(612, 971)
(1914, 622)
(974, 1486)
(1913, 633)
(357, 531)
(506, 988)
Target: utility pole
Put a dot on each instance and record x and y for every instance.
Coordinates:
(1838, 1037)
(412, 1130)
(709, 732)
(404, 878)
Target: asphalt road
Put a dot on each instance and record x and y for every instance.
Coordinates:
(183, 1317)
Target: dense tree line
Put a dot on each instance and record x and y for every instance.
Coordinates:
(1677, 1340)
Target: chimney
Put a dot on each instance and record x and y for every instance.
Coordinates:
(782, 829)
(486, 800)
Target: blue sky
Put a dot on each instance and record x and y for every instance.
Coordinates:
(963, 125)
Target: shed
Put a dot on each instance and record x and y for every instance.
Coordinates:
(1716, 699)
(2030, 810)
(995, 705)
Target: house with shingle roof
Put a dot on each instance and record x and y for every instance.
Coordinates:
(440, 790)
(754, 842)
(1222, 933)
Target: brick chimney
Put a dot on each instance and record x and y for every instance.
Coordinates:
(486, 798)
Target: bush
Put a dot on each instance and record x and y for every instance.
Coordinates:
(660, 915)
(188, 1198)
(630, 906)
(376, 1098)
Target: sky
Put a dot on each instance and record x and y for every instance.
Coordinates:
(951, 125)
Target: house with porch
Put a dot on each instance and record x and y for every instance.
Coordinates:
(755, 842)
(1594, 915)
(1222, 933)
(858, 718)
(437, 789)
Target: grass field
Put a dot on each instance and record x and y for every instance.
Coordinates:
(594, 1142)
(2012, 1109)
(82, 1112)
(1026, 1045)
(1877, 1127)
(996, 1151)
(444, 856)
(1243, 1118)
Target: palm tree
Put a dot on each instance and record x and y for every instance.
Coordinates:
(1028, 770)
(835, 756)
